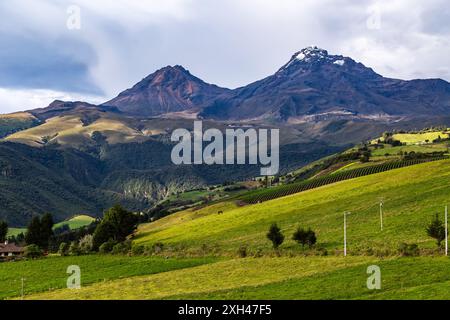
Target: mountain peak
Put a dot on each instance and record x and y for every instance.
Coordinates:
(312, 55)
(312, 52)
(175, 68)
(169, 89)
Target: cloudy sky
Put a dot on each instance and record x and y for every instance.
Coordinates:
(47, 53)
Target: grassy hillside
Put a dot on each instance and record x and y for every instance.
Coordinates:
(279, 278)
(71, 130)
(50, 273)
(417, 138)
(73, 223)
(411, 196)
(13, 122)
(76, 222)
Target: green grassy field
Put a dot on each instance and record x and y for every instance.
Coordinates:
(73, 223)
(50, 273)
(426, 148)
(279, 278)
(412, 138)
(76, 222)
(411, 196)
(401, 278)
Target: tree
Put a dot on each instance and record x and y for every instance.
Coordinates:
(305, 237)
(117, 224)
(3, 231)
(46, 230)
(103, 233)
(275, 236)
(124, 222)
(436, 230)
(33, 234)
(39, 231)
(300, 236)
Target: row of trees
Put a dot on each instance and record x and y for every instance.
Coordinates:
(301, 236)
(307, 237)
(116, 225)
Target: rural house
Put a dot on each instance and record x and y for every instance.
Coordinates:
(10, 250)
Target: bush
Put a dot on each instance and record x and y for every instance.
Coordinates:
(107, 246)
(408, 250)
(63, 249)
(137, 250)
(158, 247)
(242, 251)
(436, 230)
(74, 249)
(118, 248)
(275, 236)
(305, 237)
(86, 244)
(121, 247)
(32, 251)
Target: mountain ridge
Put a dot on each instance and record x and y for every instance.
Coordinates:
(312, 84)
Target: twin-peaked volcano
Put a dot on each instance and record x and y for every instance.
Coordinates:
(170, 89)
(313, 85)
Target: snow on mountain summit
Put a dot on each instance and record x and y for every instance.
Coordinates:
(313, 54)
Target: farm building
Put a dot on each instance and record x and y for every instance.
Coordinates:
(10, 250)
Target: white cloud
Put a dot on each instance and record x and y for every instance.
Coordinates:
(26, 99)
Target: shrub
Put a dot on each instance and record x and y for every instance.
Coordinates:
(275, 235)
(258, 253)
(137, 250)
(242, 251)
(436, 230)
(121, 247)
(86, 243)
(63, 249)
(305, 237)
(74, 249)
(408, 250)
(300, 236)
(158, 247)
(33, 251)
(311, 238)
(118, 248)
(107, 246)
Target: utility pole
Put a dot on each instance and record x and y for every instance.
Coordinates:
(381, 213)
(23, 279)
(345, 232)
(446, 231)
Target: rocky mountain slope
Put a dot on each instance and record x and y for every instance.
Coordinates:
(170, 89)
(315, 85)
